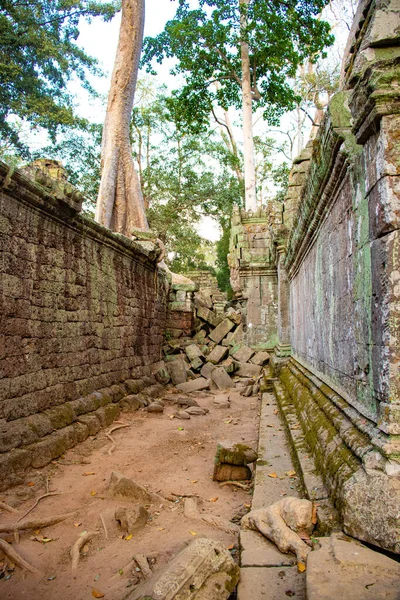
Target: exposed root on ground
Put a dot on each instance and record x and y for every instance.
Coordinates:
(76, 548)
(37, 502)
(191, 511)
(16, 558)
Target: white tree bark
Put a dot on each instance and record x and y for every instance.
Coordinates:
(120, 202)
(248, 142)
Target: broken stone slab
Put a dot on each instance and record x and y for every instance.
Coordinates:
(237, 336)
(177, 370)
(243, 354)
(226, 340)
(122, 488)
(131, 519)
(196, 364)
(207, 315)
(342, 568)
(260, 358)
(229, 365)
(207, 370)
(226, 472)
(200, 336)
(193, 352)
(194, 385)
(257, 551)
(235, 453)
(202, 299)
(162, 375)
(217, 354)
(234, 315)
(204, 570)
(221, 330)
(221, 379)
(248, 370)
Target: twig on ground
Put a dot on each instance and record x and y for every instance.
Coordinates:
(121, 426)
(108, 435)
(76, 548)
(244, 486)
(185, 495)
(8, 508)
(104, 526)
(16, 558)
(37, 502)
(39, 523)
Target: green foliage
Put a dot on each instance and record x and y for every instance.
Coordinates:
(38, 56)
(206, 43)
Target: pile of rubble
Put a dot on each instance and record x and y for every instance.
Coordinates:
(215, 357)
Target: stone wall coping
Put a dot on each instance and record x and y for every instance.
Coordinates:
(22, 189)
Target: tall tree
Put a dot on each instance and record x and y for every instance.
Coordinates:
(38, 56)
(120, 202)
(251, 47)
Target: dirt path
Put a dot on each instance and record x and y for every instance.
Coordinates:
(167, 455)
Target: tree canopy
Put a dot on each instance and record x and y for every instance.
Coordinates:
(206, 41)
(39, 54)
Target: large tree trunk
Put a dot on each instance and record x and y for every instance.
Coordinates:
(120, 201)
(248, 146)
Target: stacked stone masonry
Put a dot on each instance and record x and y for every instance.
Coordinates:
(82, 315)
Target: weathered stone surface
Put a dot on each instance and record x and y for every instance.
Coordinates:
(196, 411)
(196, 364)
(221, 378)
(131, 519)
(274, 583)
(207, 370)
(217, 354)
(204, 570)
(221, 331)
(234, 315)
(248, 370)
(225, 472)
(186, 401)
(200, 336)
(229, 365)
(237, 336)
(261, 358)
(154, 407)
(162, 375)
(235, 453)
(182, 414)
(122, 488)
(243, 354)
(177, 370)
(341, 568)
(194, 385)
(206, 315)
(257, 551)
(193, 352)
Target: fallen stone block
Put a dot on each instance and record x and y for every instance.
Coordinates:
(222, 402)
(221, 330)
(200, 336)
(243, 355)
(235, 453)
(177, 370)
(234, 315)
(248, 370)
(122, 488)
(202, 299)
(203, 570)
(154, 407)
(217, 354)
(342, 568)
(131, 519)
(196, 411)
(132, 402)
(193, 352)
(221, 379)
(229, 365)
(186, 401)
(153, 391)
(237, 336)
(226, 472)
(196, 364)
(206, 315)
(162, 375)
(207, 370)
(182, 414)
(260, 358)
(194, 385)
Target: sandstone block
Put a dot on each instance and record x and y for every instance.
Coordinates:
(122, 488)
(131, 519)
(235, 453)
(196, 364)
(194, 385)
(217, 354)
(261, 358)
(229, 365)
(207, 370)
(206, 315)
(234, 315)
(162, 375)
(237, 336)
(225, 472)
(221, 379)
(204, 569)
(177, 370)
(221, 330)
(243, 354)
(248, 370)
(193, 352)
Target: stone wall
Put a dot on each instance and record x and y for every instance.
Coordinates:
(82, 317)
(340, 253)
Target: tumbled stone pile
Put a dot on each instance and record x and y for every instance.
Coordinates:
(215, 356)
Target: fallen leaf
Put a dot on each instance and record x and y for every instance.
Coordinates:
(129, 537)
(213, 499)
(314, 514)
(268, 425)
(228, 421)
(77, 524)
(30, 483)
(97, 594)
(193, 481)
(89, 473)
(276, 412)
(230, 547)
(273, 475)
(247, 505)
(193, 533)
(291, 473)
(161, 528)
(93, 493)
(180, 428)
(301, 567)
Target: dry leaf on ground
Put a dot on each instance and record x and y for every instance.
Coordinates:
(273, 475)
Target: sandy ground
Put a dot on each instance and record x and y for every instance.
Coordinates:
(168, 456)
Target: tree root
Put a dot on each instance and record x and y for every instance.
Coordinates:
(76, 548)
(34, 523)
(8, 508)
(108, 435)
(104, 526)
(191, 511)
(244, 486)
(16, 558)
(37, 502)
